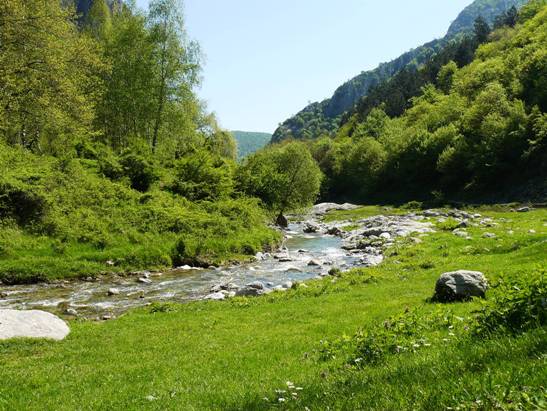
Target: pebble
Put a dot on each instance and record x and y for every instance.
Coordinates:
(287, 284)
(256, 285)
(144, 280)
(113, 291)
(71, 311)
(216, 296)
(385, 236)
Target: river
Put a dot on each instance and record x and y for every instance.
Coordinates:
(91, 299)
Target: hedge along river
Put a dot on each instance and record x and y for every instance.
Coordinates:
(310, 250)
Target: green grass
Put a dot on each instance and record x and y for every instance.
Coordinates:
(232, 355)
(362, 212)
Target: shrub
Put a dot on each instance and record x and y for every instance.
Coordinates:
(412, 205)
(180, 252)
(519, 304)
(110, 167)
(140, 171)
(201, 176)
(22, 202)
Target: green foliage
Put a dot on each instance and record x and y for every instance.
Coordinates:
(139, 170)
(519, 304)
(284, 177)
(323, 118)
(201, 176)
(64, 219)
(47, 96)
(463, 134)
(99, 126)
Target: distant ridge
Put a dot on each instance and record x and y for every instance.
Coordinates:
(323, 117)
(249, 142)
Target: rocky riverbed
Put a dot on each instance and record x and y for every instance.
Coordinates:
(311, 249)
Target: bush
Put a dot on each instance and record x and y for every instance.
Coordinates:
(413, 205)
(201, 176)
(140, 171)
(23, 203)
(110, 167)
(180, 252)
(519, 304)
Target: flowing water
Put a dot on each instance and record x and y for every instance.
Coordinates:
(91, 299)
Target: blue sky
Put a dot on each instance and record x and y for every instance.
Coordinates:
(266, 59)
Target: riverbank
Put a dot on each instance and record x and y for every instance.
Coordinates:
(241, 353)
(311, 249)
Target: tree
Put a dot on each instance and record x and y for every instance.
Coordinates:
(125, 114)
(98, 21)
(283, 177)
(176, 65)
(446, 76)
(49, 76)
(482, 30)
(509, 18)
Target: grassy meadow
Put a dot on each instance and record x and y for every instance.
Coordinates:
(325, 344)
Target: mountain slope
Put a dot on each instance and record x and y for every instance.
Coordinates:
(474, 131)
(322, 117)
(249, 142)
(488, 9)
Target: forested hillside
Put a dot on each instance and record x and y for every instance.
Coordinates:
(108, 161)
(474, 129)
(323, 118)
(249, 142)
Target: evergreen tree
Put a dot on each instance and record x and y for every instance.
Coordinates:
(482, 30)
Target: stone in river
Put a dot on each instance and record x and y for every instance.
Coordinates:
(385, 236)
(257, 285)
(310, 227)
(71, 311)
(287, 284)
(216, 296)
(113, 291)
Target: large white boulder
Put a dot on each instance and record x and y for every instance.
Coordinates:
(31, 324)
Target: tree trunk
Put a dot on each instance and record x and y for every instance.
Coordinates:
(282, 221)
